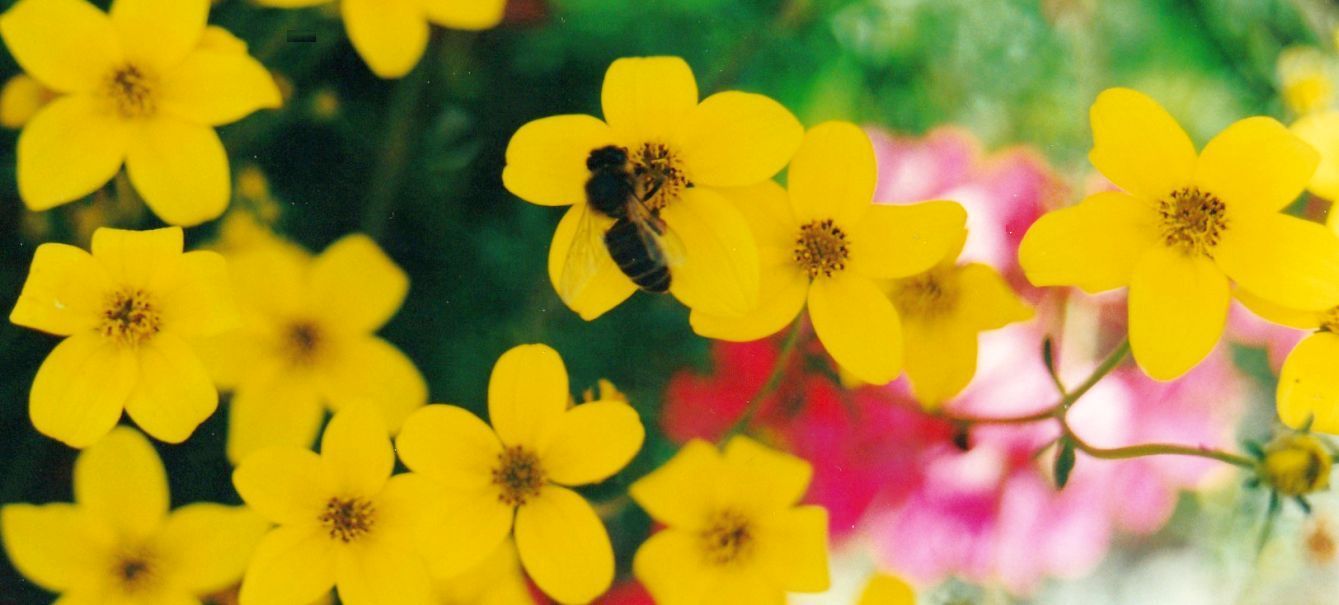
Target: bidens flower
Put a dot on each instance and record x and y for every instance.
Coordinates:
(1185, 225)
(343, 520)
(118, 543)
(671, 159)
(828, 245)
(307, 341)
(518, 473)
(391, 35)
(137, 88)
(734, 533)
(128, 310)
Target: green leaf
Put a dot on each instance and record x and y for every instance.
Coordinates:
(1064, 463)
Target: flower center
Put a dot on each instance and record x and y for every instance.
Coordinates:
(821, 248)
(518, 475)
(130, 317)
(347, 519)
(727, 538)
(131, 91)
(302, 341)
(134, 571)
(1192, 220)
(1330, 322)
(659, 176)
(930, 294)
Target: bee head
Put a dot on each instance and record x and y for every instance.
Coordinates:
(611, 156)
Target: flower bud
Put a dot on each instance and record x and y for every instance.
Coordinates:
(1296, 465)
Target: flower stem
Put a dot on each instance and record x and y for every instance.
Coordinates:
(401, 135)
(771, 384)
(1156, 449)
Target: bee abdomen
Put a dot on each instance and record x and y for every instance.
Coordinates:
(628, 250)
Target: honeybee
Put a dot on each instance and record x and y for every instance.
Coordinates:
(639, 242)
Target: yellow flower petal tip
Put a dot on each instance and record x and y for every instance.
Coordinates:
(118, 540)
(515, 477)
(883, 589)
(1186, 228)
(127, 87)
(129, 312)
(667, 162)
(733, 526)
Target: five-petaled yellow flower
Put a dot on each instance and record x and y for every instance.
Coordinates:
(1184, 226)
(391, 35)
(118, 543)
(829, 245)
(682, 158)
(1308, 387)
(137, 88)
(943, 310)
(308, 341)
(128, 309)
(343, 520)
(518, 474)
(734, 533)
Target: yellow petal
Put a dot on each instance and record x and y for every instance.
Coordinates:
(68, 45)
(218, 87)
(832, 175)
(887, 590)
(469, 526)
(1308, 389)
(404, 510)
(174, 393)
(1321, 131)
(793, 548)
(1288, 260)
(1178, 307)
(291, 565)
(527, 394)
(217, 39)
(988, 302)
(858, 326)
(369, 370)
(647, 98)
(381, 574)
(284, 484)
(20, 99)
(897, 241)
(671, 567)
(764, 479)
(781, 297)
(675, 494)
(63, 293)
(197, 300)
(564, 546)
(941, 357)
(68, 150)
(355, 286)
(451, 445)
(210, 545)
(390, 35)
(56, 546)
(719, 271)
(273, 407)
(470, 16)
(735, 138)
(134, 258)
(546, 159)
(745, 586)
(591, 442)
(159, 32)
(81, 388)
(1293, 318)
(1256, 165)
(180, 169)
(356, 449)
(580, 268)
(1138, 145)
(270, 280)
(121, 482)
(495, 581)
(1094, 245)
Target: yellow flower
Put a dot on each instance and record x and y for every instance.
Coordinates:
(1306, 79)
(683, 156)
(308, 341)
(733, 531)
(343, 520)
(118, 543)
(1321, 130)
(128, 310)
(829, 246)
(497, 580)
(137, 87)
(942, 312)
(1296, 465)
(883, 589)
(391, 35)
(521, 469)
(1183, 226)
(1308, 387)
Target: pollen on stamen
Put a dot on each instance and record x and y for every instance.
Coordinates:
(131, 91)
(1193, 221)
(821, 248)
(518, 475)
(347, 519)
(1330, 321)
(660, 177)
(130, 317)
(728, 538)
(930, 294)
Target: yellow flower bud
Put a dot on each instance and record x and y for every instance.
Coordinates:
(1296, 465)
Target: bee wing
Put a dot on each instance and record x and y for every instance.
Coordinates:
(661, 242)
(586, 258)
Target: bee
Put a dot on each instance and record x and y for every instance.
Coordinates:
(639, 242)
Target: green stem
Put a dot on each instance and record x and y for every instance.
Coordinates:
(1112, 360)
(770, 385)
(1154, 449)
(404, 110)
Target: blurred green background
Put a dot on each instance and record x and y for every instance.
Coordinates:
(417, 162)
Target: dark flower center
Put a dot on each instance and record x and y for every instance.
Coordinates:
(821, 248)
(1193, 221)
(518, 475)
(347, 519)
